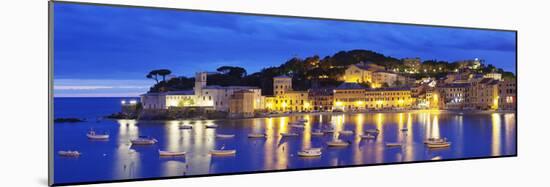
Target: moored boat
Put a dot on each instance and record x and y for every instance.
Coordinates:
(295, 125)
(346, 132)
(367, 136)
(225, 135)
(372, 131)
(69, 153)
(312, 152)
(223, 152)
(337, 143)
(302, 120)
(394, 144)
(211, 126)
(328, 131)
(256, 135)
(288, 134)
(434, 140)
(440, 144)
(95, 136)
(186, 127)
(143, 140)
(317, 132)
(171, 153)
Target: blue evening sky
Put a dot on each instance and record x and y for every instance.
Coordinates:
(107, 51)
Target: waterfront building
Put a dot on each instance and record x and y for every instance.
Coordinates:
(483, 94)
(349, 96)
(241, 104)
(286, 99)
(507, 95)
(211, 97)
(453, 95)
(321, 98)
(281, 84)
(389, 98)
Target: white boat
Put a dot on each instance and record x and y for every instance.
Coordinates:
(142, 140)
(93, 135)
(225, 135)
(69, 153)
(211, 126)
(443, 144)
(298, 126)
(171, 153)
(222, 152)
(186, 127)
(288, 134)
(337, 143)
(313, 152)
(302, 120)
(394, 144)
(317, 133)
(434, 140)
(367, 136)
(346, 132)
(372, 131)
(256, 135)
(328, 131)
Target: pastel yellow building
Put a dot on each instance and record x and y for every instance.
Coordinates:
(373, 74)
(348, 97)
(389, 98)
(285, 99)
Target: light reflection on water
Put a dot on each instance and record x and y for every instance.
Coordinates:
(472, 135)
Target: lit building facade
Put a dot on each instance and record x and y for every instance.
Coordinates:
(241, 104)
(373, 74)
(483, 94)
(507, 95)
(453, 95)
(207, 96)
(349, 96)
(321, 99)
(389, 98)
(286, 99)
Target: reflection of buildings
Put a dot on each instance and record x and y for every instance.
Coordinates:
(205, 96)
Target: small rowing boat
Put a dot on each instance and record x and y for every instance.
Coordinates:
(346, 132)
(143, 140)
(211, 126)
(69, 153)
(94, 136)
(171, 153)
(317, 133)
(222, 152)
(312, 152)
(372, 131)
(289, 134)
(225, 135)
(394, 144)
(367, 136)
(256, 135)
(337, 143)
(185, 127)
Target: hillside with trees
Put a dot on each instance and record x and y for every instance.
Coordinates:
(309, 72)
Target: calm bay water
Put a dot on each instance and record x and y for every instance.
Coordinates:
(472, 135)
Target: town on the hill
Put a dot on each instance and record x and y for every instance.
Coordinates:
(362, 87)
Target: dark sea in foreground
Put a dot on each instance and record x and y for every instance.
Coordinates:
(471, 135)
